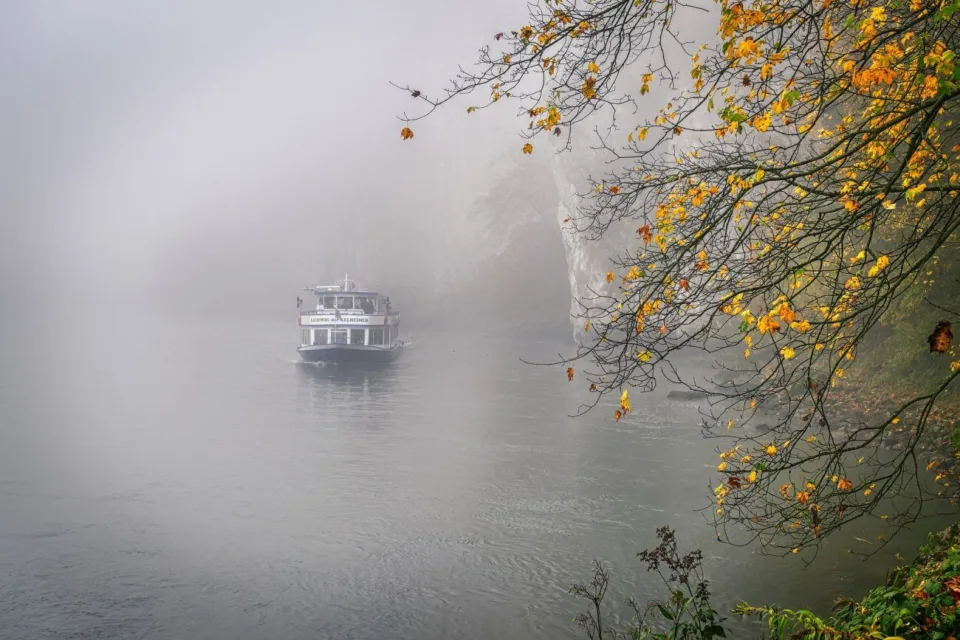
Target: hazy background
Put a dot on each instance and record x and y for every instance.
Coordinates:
(189, 156)
(171, 174)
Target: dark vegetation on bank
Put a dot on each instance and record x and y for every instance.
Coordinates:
(919, 601)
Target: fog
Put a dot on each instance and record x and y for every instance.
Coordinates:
(193, 156)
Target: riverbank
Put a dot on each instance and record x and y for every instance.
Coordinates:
(919, 601)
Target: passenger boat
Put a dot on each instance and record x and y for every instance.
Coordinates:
(348, 325)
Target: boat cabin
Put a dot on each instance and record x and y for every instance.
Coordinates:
(342, 315)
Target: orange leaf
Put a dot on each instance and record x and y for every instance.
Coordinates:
(406, 133)
(685, 285)
(528, 148)
(570, 373)
(941, 337)
(614, 190)
(645, 232)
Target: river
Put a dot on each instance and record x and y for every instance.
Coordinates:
(187, 480)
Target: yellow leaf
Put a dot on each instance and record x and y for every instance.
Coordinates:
(625, 401)
(771, 450)
(880, 265)
(610, 276)
(528, 148)
(593, 68)
(803, 326)
(768, 324)
(752, 477)
(721, 466)
(406, 133)
(788, 353)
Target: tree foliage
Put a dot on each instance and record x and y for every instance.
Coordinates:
(800, 184)
(918, 602)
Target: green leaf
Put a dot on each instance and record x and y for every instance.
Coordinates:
(666, 613)
(947, 12)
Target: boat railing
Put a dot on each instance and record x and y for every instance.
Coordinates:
(346, 312)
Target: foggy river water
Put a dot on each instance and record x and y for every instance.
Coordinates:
(196, 482)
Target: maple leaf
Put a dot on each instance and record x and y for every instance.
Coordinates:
(610, 276)
(702, 264)
(557, 131)
(528, 148)
(617, 415)
(570, 373)
(788, 353)
(803, 497)
(734, 482)
(625, 401)
(406, 133)
(498, 36)
(593, 68)
(645, 232)
(786, 313)
(588, 90)
(844, 485)
(614, 190)
(593, 386)
(941, 338)
(767, 323)
(953, 586)
(684, 284)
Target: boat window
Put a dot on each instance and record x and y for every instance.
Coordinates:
(339, 336)
(305, 336)
(344, 302)
(356, 336)
(329, 302)
(376, 336)
(320, 336)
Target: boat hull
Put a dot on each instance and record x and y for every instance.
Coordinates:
(349, 354)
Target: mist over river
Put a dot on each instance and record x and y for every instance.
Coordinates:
(189, 480)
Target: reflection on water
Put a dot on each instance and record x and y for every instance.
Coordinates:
(234, 493)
